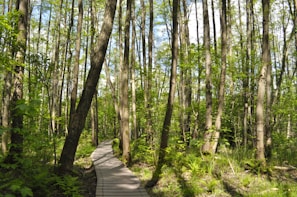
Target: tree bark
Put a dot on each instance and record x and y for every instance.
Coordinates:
(197, 112)
(79, 117)
(77, 56)
(169, 107)
(206, 39)
(247, 72)
(149, 74)
(260, 152)
(94, 120)
(218, 122)
(124, 103)
(132, 72)
(16, 148)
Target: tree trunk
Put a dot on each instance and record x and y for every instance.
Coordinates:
(260, 152)
(120, 43)
(169, 107)
(79, 117)
(247, 72)
(132, 71)
(144, 66)
(197, 112)
(149, 74)
(185, 76)
(16, 148)
(125, 132)
(223, 76)
(206, 148)
(77, 56)
(214, 29)
(94, 120)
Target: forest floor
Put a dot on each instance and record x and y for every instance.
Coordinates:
(88, 182)
(281, 181)
(226, 174)
(86, 174)
(221, 181)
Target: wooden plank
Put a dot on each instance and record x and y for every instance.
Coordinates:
(113, 178)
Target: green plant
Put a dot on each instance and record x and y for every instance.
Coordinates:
(116, 146)
(69, 185)
(15, 187)
(256, 166)
(211, 185)
(246, 180)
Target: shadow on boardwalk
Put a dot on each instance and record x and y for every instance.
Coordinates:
(113, 178)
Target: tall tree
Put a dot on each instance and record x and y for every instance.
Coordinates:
(185, 76)
(124, 104)
(79, 117)
(197, 112)
(77, 56)
(169, 107)
(266, 60)
(218, 122)
(246, 79)
(16, 148)
(6, 96)
(132, 72)
(206, 42)
(149, 71)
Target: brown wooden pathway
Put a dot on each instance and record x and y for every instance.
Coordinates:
(113, 178)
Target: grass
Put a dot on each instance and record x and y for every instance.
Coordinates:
(187, 173)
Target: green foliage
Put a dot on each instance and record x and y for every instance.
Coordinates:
(256, 166)
(141, 151)
(69, 185)
(15, 187)
(284, 150)
(116, 146)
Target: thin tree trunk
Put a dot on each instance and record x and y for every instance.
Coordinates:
(185, 76)
(169, 108)
(218, 122)
(149, 73)
(197, 112)
(214, 28)
(54, 97)
(97, 59)
(120, 43)
(125, 131)
(5, 112)
(132, 70)
(94, 120)
(260, 152)
(144, 64)
(247, 71)
(77, 56)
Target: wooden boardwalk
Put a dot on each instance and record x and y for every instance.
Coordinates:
(113, 178)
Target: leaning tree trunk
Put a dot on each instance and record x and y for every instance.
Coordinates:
(78, 119)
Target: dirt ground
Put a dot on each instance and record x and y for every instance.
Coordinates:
(89, 180)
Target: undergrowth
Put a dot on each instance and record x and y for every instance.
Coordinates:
(35, 173)
(230, 172)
